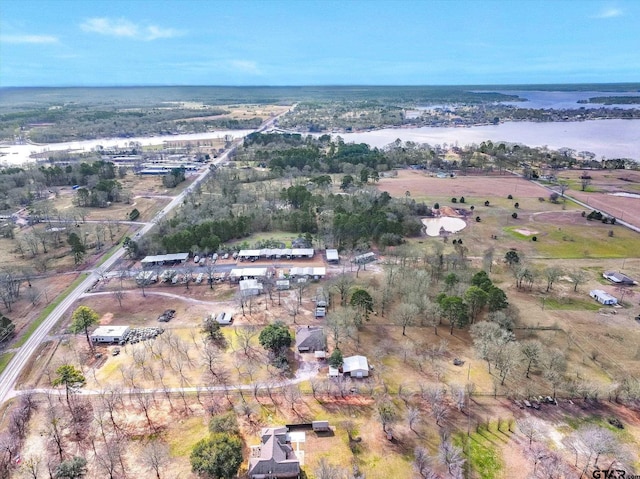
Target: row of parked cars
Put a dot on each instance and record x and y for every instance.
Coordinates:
(171, 275)
(536, 402)
(136, 335)
(202, 260)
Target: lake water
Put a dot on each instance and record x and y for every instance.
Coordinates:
(560, 100)
(19, 154)
(609, 138)
(452, 225)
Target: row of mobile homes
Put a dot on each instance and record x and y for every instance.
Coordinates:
(315, 273)
(275, 253)
(237, 274)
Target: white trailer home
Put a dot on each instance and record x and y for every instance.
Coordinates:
(603, 297)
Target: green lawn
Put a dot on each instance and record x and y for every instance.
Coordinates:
(483, 458)
(577, 242)
(571, 304)
(5, 359)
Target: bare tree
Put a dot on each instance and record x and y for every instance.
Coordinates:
(343, 284)
(577, 277)
(413, 417)
(422, 464)
(507, 360)
(155, 456)
(459, 395)
(598, 441)
(531, 351)
(452, 458)
(387, 413)
(246, 338)
(325, 470)
(110, 458)
(118, 295)
(405, 315)
(292, 395)
(552, 274)
(530, 427)
(31, 467)
(340, 323)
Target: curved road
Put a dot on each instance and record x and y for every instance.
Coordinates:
(11, 373)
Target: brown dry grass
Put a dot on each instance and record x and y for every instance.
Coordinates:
(421, 185)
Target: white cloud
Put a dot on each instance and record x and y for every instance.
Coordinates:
(245, 66)
(37, 39)
(609, 13)
(124, 28)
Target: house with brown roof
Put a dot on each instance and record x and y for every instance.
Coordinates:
(274, 458)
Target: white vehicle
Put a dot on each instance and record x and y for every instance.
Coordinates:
(196, 259)
(199, 278)
(225, 256)
(203, 261)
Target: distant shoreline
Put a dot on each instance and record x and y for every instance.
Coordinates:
(610, 138)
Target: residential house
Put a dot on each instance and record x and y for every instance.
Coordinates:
(274, 458)
(310, 339)
(619, 278)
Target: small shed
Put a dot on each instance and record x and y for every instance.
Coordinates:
(109, 334)
(603, 297)
(332, 256)
(224, 318)
(320, 426)
(282, 284)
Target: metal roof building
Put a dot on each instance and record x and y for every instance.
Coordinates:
(332, 256)
(165, 258)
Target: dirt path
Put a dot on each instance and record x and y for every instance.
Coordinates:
(306, 371)
(166, 295)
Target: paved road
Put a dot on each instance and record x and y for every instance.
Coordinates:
(11, 373)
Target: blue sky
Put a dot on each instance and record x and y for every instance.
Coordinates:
(269, 42)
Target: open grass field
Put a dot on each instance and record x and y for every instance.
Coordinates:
(421, 185)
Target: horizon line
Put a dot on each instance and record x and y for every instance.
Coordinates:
(329, 85)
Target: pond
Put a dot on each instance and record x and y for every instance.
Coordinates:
(626, 195)
(451, 225)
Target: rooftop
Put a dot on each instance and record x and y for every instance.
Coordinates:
(354, 363)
